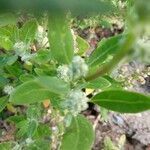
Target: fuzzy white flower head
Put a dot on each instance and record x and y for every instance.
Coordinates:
(64, 73)
(20, 48)
(29, 141)
(79, 67)
(8, 89)
(27, 56)
(41, 36)
(17, 147)
(75, 102)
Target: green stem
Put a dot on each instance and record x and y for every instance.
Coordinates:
(109, 66)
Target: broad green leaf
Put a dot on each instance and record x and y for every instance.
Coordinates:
(22, 127)
(79, 135)
(7, 19)
(32, 128)
(143, 11)
(5, 32)
(11, 60)
(82, 45)
(39, 72)
(3, 81)
(39, 144)
(14, 70)
(98, 83)
(7, 60)
(26, 77)
(6, 43)
(55, 6)
(122, 101)
(11, 32)
(15, 119)
(77, 7)
(38, 89)
(6, 146)
(43, 130)
(28, 31)
(14, 36)
(60, 39)
(46, 69)
(3, 102)
(3, 60)
(42, 56)
(106, 48)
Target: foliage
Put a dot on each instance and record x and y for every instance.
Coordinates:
(45, 70)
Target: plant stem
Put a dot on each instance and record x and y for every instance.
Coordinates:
(109, 66)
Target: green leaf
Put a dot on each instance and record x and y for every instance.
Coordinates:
(38, 90)
(106, 48)
(7, 60)
(26, 77)
(22, 127)
(3, 102)
(6, 146)
(114, 83)
(83, 7)
(79, 136)
(14, 70)
(10, 32)
(15, 119)
(60, 39)
(5, 43)
(42, 56)
(122, 101)
(3, 60)
(11, 60)
(98, 83)
(39, 144)
(3, 81)
(5, 31)
(82, 45)
(32, 128)
(43, 130)
(7, 19)
(28, 31)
